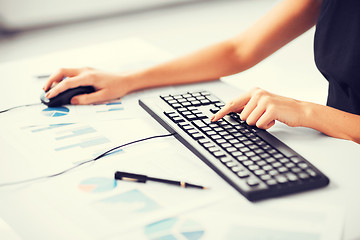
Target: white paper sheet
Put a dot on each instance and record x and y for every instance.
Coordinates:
(90, 201)
(6, 232)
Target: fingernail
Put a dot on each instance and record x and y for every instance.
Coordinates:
(212, 118)
(74, 101)
(48, 94)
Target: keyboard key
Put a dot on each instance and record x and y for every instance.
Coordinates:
(249, 153)
(264, 155)
(261, 163)
(253, 167)
(311, 172)
(208, 145)
(192, 131)
(243, 174)
(235, 142)
(236, 154)
(248, 163)
(176, 105)
(270, 160)
(290, 165)
(267, 167)
(215, 137)
(255, 158)
(218, 154)
(237, 168)
(281, 179)
(197, 136)
(220, 141)
(177, 97)
(265, 177)
(271, 182)
(292, 177)
(282, 169)
(231, 164)
(226, 145)
(252, 182)
(303, 165)
(199, 123)
(259, 172)
(225, 159)
(178, 119)
(242, 158)
(283, 160)
(231, 149)
(273, 172)
(296, 170)
(303, 175)
(191, 117)
(211, 133)
(276, 165)
(213, 149)
(212, 99)
(295, 159)
(205, 102)
(187, 128)
(203, 141)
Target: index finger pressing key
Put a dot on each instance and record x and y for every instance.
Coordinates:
(232, 106)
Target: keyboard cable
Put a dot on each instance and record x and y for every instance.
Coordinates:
(85, 162)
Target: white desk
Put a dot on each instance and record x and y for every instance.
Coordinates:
(181, 30)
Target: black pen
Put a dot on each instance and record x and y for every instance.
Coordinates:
(143, 178)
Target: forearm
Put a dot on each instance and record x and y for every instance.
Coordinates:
(207, 64)
(332, 122)
(282, 24)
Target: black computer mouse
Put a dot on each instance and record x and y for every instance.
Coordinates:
(65, 97)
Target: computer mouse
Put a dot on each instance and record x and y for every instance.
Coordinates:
(65, 97)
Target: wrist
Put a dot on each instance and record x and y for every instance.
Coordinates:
(307, 115)
(132, 80)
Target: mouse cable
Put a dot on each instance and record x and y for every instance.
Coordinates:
(85, 162)
(25, 105)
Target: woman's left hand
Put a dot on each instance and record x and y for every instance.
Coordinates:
(261, 108)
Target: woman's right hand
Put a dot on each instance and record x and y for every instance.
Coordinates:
(108, 86)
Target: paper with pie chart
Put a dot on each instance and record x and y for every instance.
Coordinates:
(123, 205)
(41, 114)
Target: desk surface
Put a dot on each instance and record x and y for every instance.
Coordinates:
(184, 29)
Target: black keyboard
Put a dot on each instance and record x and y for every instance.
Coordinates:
(252, 160)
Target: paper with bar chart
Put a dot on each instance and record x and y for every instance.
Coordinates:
(59, 145)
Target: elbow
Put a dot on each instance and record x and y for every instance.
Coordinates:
(241, 55)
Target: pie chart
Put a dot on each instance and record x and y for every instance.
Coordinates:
(55, 111)
(97, 185)
(174, 229)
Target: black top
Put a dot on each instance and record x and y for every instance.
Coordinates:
(337, 52)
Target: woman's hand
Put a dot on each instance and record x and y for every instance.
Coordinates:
(261, 108)
(108, 86)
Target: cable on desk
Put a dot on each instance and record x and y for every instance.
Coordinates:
(85, 162)
(20, 106)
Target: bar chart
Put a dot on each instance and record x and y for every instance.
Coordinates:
(110, 107)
